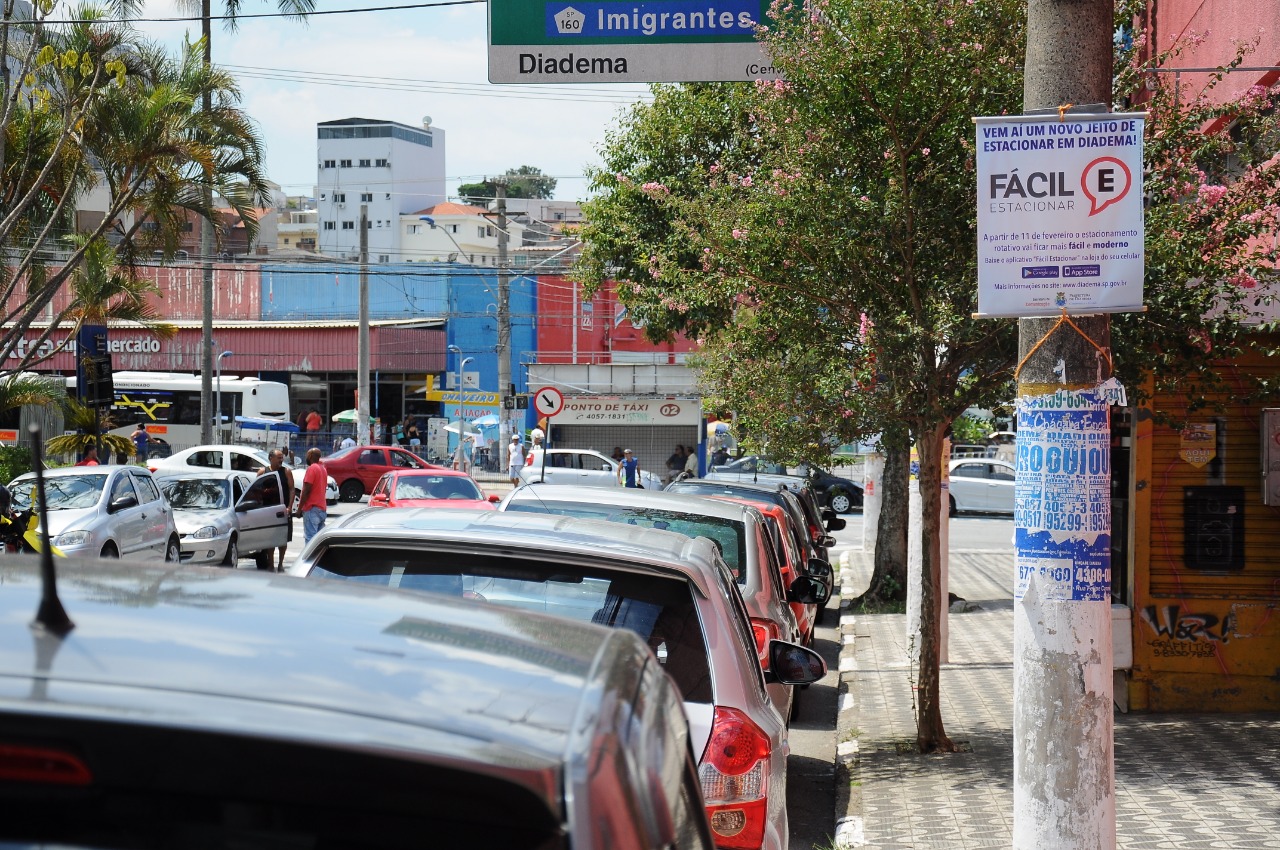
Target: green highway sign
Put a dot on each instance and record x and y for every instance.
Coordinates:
(663, 41)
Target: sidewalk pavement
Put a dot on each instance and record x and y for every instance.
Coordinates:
(1183, 781)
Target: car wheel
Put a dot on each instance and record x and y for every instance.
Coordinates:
(172, 551)
(351, 491)
(233, 553)
(109, 551)
(264, 560)
(953, 511)
(841, 501)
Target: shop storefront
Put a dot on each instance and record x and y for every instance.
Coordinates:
(650, 426)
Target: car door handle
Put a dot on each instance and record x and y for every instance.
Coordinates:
(279, 514)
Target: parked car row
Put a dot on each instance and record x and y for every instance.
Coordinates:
(609, 667)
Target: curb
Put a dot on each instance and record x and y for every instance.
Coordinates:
(848, 809)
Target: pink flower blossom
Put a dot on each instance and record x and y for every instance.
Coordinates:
(925, 151)
(1244, 280)
(739, 234)
(655, 190)
(746, 181)
(1210, 193)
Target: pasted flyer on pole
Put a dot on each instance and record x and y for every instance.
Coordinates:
(1062, 503)
(1059, 214)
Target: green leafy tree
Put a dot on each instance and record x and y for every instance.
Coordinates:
(835, 214)
(105, 109)
(523, 182)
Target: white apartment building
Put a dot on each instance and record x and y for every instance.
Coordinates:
(462, 234)
(389, 167)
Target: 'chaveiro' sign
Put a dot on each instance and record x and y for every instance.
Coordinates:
(1060, 214)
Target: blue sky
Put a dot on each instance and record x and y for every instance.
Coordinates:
(408, 64)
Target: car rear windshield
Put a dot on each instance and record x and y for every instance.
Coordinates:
(729, 535)
(661, 610)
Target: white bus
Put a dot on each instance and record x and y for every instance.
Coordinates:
(169, 404)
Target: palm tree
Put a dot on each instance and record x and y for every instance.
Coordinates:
(151, 144)
(231, 9)
(89, 426)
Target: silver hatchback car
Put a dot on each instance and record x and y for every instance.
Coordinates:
(676, 593)
(738, 530)
(107, 511)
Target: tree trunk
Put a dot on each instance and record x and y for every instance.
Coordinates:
(889, 576)
(931, 737)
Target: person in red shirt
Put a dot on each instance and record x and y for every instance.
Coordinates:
(312, 507)
(90, 457)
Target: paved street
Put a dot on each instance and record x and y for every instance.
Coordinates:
(1182, 781)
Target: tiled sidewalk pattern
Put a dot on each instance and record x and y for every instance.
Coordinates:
(1183, 782)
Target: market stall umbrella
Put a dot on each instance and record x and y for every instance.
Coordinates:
(466, 428)
(489, 419)
(349, 416)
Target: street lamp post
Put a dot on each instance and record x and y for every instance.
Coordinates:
(218, 403)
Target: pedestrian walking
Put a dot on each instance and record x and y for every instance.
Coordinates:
(90, 457)
(311, 505)
(140, 438)
(515, 460)
(629, 470)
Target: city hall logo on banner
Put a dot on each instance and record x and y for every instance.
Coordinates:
(1060, 225)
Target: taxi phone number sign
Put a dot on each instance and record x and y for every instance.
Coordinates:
(1060, 214)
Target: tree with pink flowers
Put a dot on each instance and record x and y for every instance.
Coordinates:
(819, 235)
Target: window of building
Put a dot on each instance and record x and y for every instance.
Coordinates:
(328, 225)
(348, 225)
(413, 228)
(381, 163)
(480, 232)
(329, 163)
(346, 163)
(366, 197)
(453, 228)
(364, 163)
(286, 240)
(384, 258)
(488, 231)
(340, 197)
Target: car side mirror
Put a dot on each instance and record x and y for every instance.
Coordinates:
(495, 498)
(792, 664)
(248, 505)
(121, 503)
(604, 467)
(836, 524)
(827, 515)
(828, 541)
(379, 499)
(819, 568)
(808, 590)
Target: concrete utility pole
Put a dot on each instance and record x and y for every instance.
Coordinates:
(362, 341)
(504, 319)
(1063, 759)
(206, 269)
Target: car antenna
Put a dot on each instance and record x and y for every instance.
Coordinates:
(51, 616)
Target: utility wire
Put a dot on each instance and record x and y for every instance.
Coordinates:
(293, 15)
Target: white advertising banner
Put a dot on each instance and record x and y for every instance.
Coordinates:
(1059, 214)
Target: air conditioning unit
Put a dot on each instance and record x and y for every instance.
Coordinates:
(342, 205)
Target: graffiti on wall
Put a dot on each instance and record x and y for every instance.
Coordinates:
(1185, 634)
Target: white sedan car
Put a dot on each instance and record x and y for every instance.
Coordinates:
(583, 467)
(982, 485)
(230, 458)
(224, 516)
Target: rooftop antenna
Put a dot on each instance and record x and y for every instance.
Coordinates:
(51, 617)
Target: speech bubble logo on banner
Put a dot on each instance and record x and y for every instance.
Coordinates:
(1105, 181)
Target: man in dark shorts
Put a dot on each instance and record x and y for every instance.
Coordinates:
(277, 468)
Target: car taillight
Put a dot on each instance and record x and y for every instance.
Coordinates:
(734, 774)
(764, 631)
(41, 765)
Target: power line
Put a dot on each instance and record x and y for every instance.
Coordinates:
(582, 93)
(295, 16)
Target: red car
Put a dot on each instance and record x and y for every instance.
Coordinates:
(358, 468)
(430, 488)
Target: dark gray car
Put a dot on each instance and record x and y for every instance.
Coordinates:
(237, 709)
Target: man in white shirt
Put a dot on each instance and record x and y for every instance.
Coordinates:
(347, 442)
